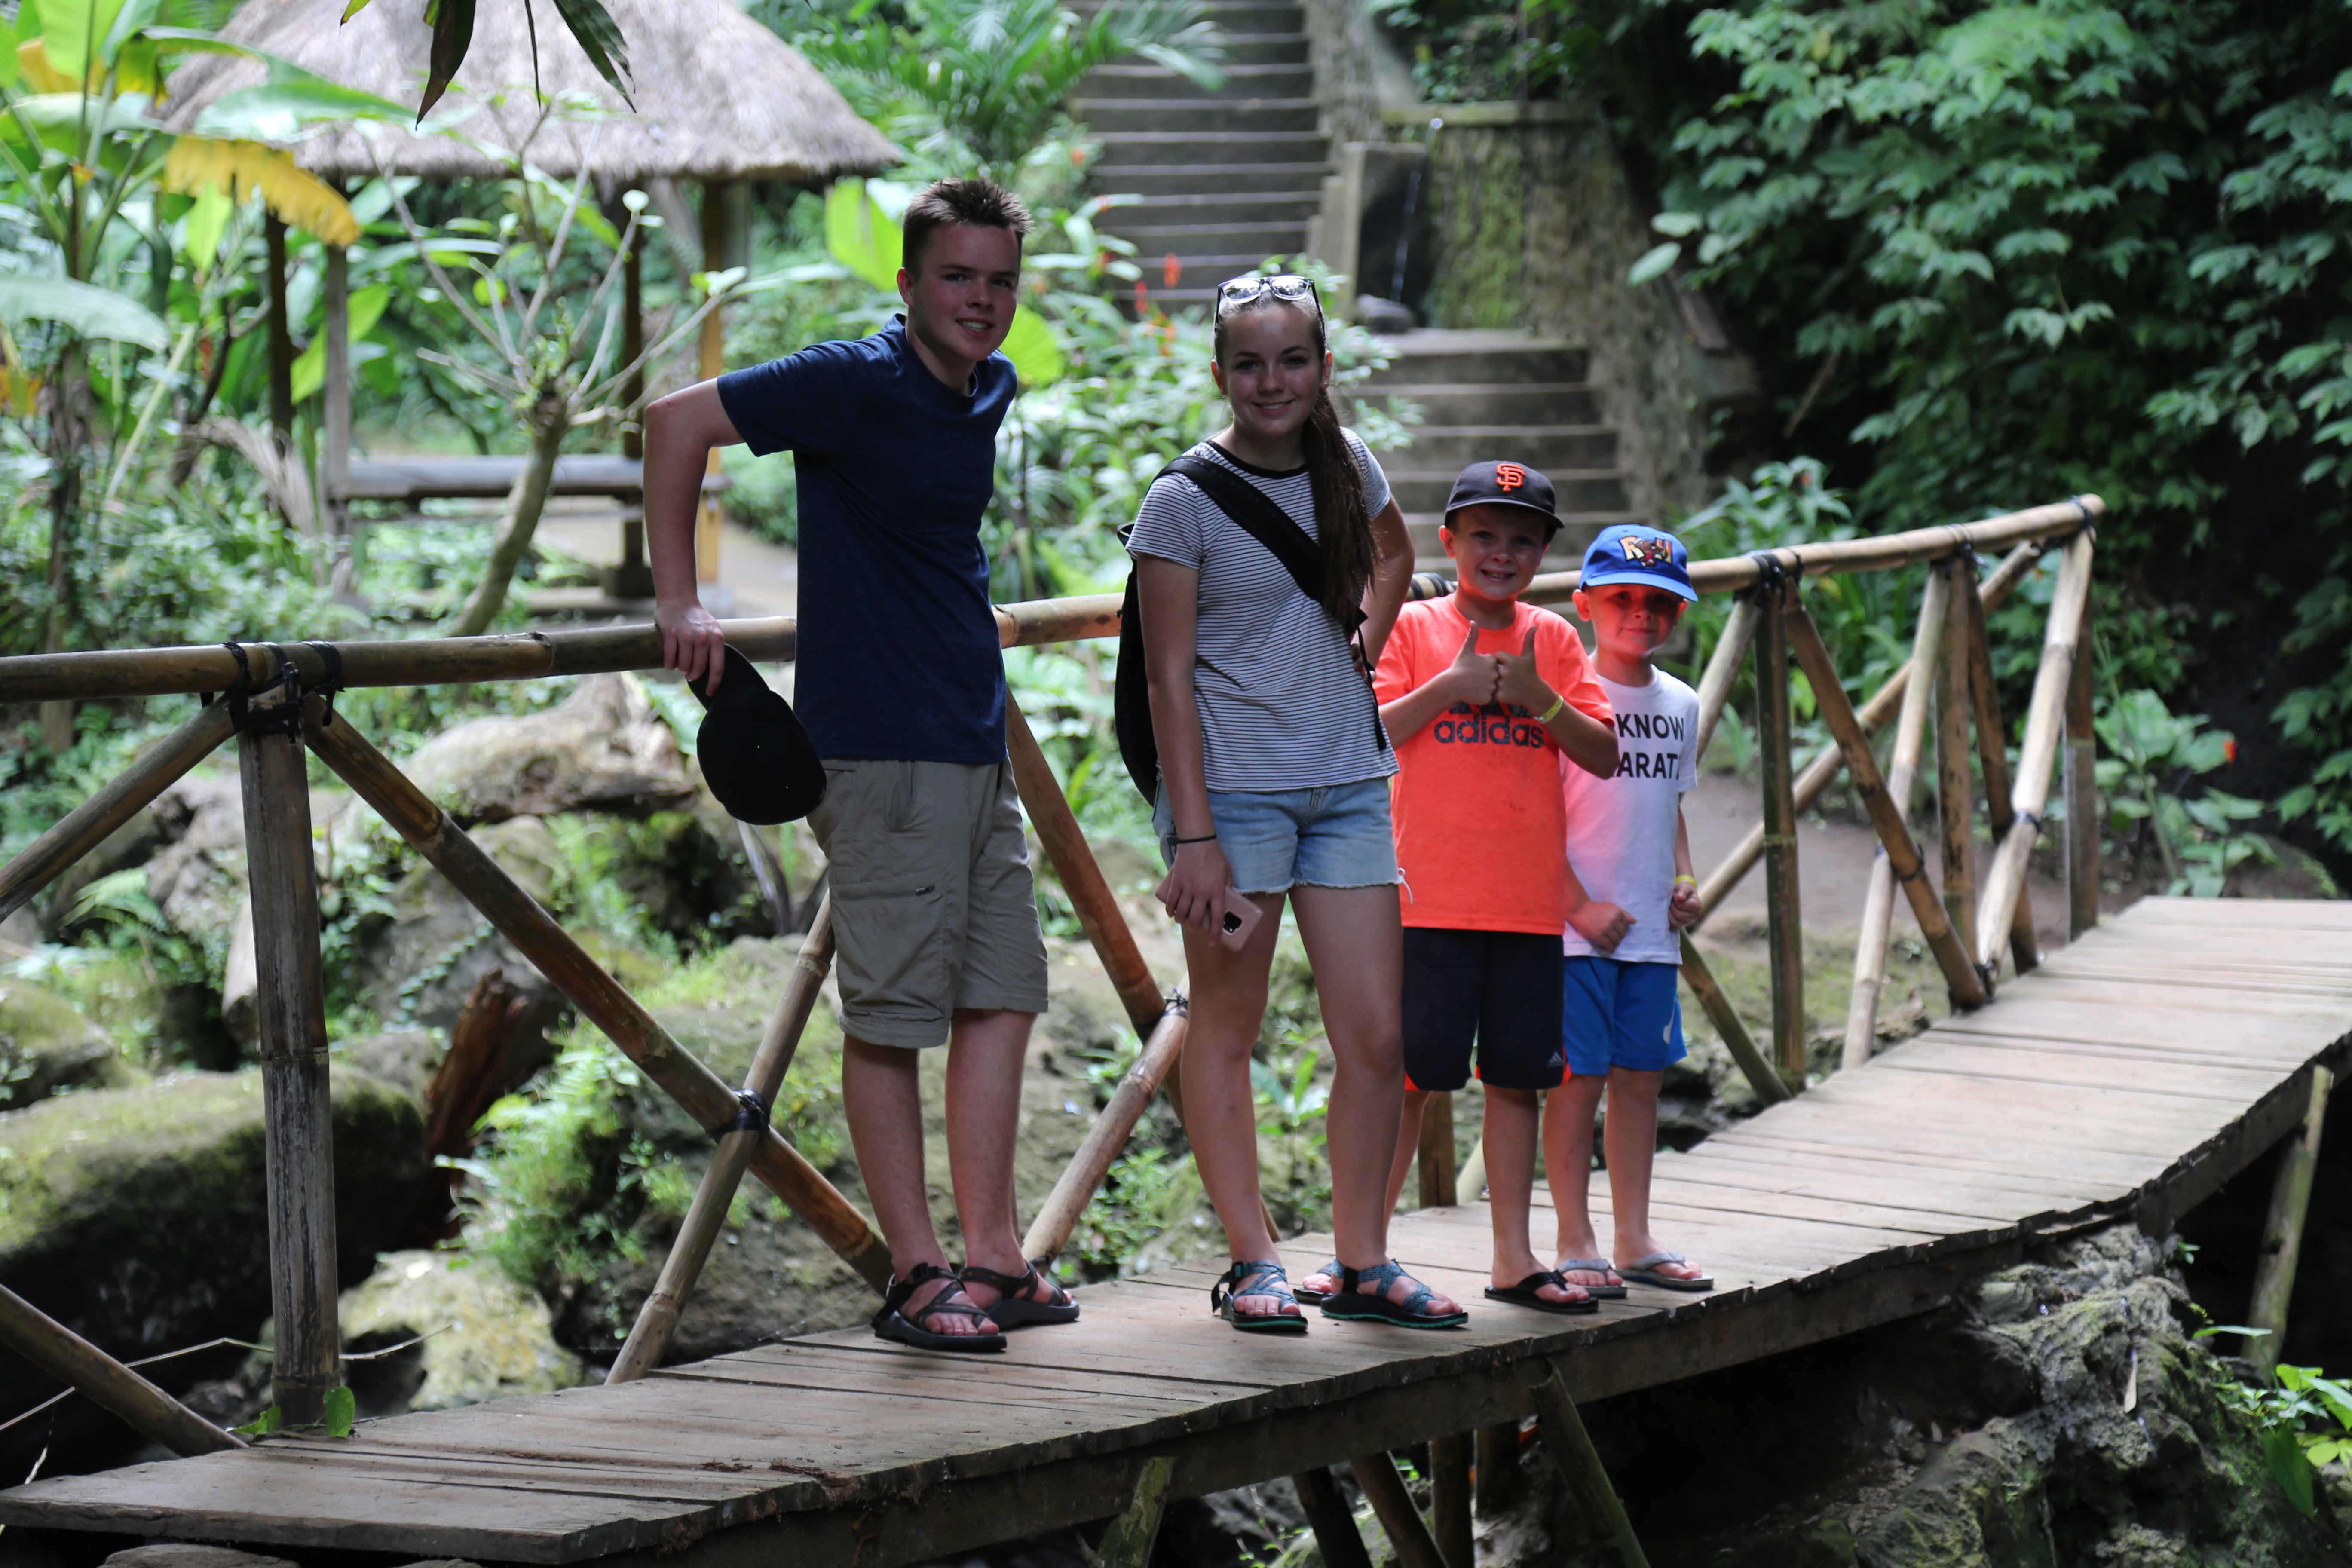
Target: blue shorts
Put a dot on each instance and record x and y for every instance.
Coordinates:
(1335, 837)
(1616, 1014)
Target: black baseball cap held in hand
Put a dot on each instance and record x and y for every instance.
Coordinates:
(755, 756)
(1502, 484)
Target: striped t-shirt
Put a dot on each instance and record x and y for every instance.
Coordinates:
(1283, 705)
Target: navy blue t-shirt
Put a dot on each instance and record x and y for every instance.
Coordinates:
(899, 653)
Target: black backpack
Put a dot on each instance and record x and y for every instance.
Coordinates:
(1255, 514)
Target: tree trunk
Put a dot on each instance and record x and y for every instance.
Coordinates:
(550, 422)
(69, 439)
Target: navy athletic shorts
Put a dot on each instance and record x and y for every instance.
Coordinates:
(1499, 988)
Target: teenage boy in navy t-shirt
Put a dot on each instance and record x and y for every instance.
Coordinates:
(901, 685)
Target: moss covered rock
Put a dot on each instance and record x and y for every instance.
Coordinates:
(45, 1045)
(604, 748)
(482, 1335)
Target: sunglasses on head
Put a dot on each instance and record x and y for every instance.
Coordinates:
(1235, 292)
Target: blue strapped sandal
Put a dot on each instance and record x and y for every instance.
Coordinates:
(1362, 1297)
(1262, 1278)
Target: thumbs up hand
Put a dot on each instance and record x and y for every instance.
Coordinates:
(1471, 677)
(1516, 679)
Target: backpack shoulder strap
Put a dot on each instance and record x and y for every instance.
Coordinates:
(1254, 513)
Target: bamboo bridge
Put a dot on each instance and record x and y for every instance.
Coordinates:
(2127, 1074)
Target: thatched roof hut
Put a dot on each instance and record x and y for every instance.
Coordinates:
(718, 97)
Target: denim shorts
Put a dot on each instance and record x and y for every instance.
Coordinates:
(1334, 836)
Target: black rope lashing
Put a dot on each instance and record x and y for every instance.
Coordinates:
(332, 657)
(1770, 575)
(751, 1115)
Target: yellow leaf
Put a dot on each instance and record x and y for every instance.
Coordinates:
(32, 60)
(200, 164)
(17, 391)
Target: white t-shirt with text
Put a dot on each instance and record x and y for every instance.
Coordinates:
(1621, 829)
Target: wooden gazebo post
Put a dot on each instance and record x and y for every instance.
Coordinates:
(726, 242)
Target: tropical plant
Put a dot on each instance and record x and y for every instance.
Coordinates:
(2151, 757)
(977, 87)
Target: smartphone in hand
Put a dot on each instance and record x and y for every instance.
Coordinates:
(1241, 920)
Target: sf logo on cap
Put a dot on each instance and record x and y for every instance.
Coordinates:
(1647, 552)
(1509, 476)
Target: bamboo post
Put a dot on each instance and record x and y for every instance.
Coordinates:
(1903, 855)
(1580, 1466)
(1449, 1499)
(1334, 1523)
(1128, 1542)
(1955, 784)
(1081, 876)
(658, 1317)
(1992, 752)
(2045, 719)
(1392, 1505)
(86, 827)
(1722, 670)
(1059, 1216)
(1902, 775)
(1497, 1473)
(1824, 769)
(281, 336)
(2283, 1227)
(2081, 783)
(600, 998)
(1761, 1077)
(113, 1386)
(1436, 1154)
(1775, 736)
(1470, 1183)
(335, 438)
(290, 1038)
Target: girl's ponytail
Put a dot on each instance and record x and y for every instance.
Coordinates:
(1342, 521)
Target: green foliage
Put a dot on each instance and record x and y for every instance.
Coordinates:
(2150, 756)
(2009, 252)
(557, 1190)
(1475, 51)
(2306, 1420)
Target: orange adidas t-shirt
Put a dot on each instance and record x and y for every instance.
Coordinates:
(1480, 828)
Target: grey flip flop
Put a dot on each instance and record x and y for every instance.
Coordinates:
(1592, 1266)
(1643, 1271)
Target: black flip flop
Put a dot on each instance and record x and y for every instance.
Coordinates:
(1314, 1296)
(1012, 1309)
(891, 1324)
(1524, 1294)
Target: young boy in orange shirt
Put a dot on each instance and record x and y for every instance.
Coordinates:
(1480, 736)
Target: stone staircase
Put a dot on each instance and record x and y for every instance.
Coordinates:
(1229, 179)
(1226, 180)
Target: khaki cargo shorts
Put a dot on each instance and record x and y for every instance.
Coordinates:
(933, 905)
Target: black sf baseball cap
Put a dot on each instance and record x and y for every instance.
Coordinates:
(755, 756)
(1502, 484)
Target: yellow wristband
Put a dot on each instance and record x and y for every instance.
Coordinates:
(1685, 881)
(1557, 704)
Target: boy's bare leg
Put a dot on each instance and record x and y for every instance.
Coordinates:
(1632, 1140)
(881, 1096)
(1568, 1155)
(985, 1057)
(1228, 1007)
(1353, 931)
(1511, 1121)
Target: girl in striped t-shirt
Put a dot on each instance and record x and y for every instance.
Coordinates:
(1273, 784)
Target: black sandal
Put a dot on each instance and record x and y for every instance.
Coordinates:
(1260, 1279)
(891, 1324)
(1012, 1308)
(1362, 1297)
(1528, 1292)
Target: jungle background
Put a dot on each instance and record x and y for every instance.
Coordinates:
(1982, 255)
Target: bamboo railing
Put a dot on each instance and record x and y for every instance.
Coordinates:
(282, 718)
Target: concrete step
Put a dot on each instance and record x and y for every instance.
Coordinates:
(1106, 117)
(1422, 488)
(1212, 208)
(1266, 50)
(1302, 180)
(1128, 82)
(1553, 448)
(1464, 356)
(1193, 239)
(1533, 403)
(1160, 149)
(1235, 16)
(1197, 277)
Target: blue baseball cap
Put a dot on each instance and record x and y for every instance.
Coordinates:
(1629, 552)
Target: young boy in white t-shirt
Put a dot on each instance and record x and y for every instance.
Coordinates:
(1630, 889)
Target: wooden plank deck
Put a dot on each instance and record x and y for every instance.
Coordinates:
(2134, 1072)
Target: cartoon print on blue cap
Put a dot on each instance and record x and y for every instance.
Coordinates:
(1647, 552)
